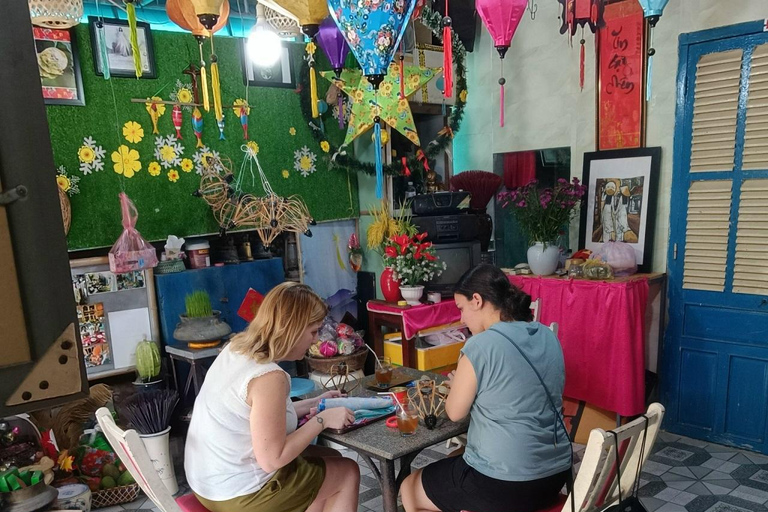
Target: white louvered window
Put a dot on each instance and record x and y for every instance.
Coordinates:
(715, 108)
(756, 134)
(750, 272)
(706, 235)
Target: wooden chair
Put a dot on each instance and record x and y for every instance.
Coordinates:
(595, 486)
(130, 450)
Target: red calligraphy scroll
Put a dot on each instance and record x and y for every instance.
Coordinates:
(620, 67)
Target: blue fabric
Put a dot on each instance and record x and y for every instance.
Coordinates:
(321, 267)
(514, 434)
(301, 386)
(364, 408)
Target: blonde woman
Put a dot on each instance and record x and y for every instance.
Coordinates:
(244, 451)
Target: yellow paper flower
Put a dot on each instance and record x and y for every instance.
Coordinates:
(133, 132)
(126, 161)
(85, 154)
(305, 163)
(239, 105)
(325, 146)
(187, 165)
(154, 169)
(63, 182)
(292, 130)
(173, 175)
(253, 148)
(286, 173)
(384, 137)
(167, 153)
(184, 95)
(463, 96)
(311, 48)
(65, 461)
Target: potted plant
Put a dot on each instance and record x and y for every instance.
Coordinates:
(414, 262)
(148, 366)
(542, 213)
(201, 325)
(383, 227)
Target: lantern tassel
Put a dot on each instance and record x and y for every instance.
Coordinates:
(340, 104)
(379, 166)
(402, 76)
(501, 104)
(649, 71)
(216, 83)
(131, 10)
(103, 51)
(204, 78)
(581, 66)
(447, 62)
(313, 91)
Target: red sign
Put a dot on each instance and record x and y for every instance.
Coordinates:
(250, 305)
(620, 64)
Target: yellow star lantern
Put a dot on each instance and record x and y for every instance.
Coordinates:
(387, 104)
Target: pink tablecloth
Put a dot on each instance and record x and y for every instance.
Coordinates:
(421, 317)
(601, 328)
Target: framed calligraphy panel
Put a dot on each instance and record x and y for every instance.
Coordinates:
(621, 59)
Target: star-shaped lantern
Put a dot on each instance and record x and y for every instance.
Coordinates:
(367, 104)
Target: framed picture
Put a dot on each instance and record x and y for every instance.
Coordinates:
(118, 44)
(280, 74)
(59, 66)
(620, 204)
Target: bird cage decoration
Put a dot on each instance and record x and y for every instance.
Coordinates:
(59, 14)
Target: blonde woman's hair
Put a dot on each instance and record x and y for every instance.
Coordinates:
(288, 309)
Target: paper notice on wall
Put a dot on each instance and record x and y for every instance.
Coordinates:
(126, 329)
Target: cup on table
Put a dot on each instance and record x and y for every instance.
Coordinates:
(407, 419)
(384, 372)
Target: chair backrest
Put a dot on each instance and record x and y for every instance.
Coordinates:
(595, 486)
(535, 309)
(130, 449)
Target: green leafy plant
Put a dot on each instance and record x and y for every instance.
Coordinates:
(147, 361)
(198, 304)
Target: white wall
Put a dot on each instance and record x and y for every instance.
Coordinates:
(545, 107)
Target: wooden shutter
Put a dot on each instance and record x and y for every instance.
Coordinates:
(750, 273)
(716, 103)
(706, 235)
(756, 135)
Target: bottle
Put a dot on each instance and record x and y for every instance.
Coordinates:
(410, 191)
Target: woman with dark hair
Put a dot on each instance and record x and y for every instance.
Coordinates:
(510, 381)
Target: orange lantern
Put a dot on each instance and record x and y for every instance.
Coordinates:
(182, 13)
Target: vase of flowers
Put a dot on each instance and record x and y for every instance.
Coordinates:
(381, 230)
(542, 214)
(414, 261)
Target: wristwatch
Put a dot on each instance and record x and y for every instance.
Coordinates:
(319, 420)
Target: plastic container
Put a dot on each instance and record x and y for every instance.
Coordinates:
(199, 254)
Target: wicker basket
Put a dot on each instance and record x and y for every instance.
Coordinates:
(66, 210)
(114, 496)
(353, 361)
(56, 13)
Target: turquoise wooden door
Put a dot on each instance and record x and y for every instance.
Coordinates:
(715, 358)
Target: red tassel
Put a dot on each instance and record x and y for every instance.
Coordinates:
(406, 170)
(501, 105)
(448, 61)
(581, 66)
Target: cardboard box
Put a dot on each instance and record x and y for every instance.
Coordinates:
(430, 56)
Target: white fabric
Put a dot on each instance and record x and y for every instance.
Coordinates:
(218, 457)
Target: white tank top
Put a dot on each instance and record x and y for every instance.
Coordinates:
(218, 457)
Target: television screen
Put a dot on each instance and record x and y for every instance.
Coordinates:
(458, 258)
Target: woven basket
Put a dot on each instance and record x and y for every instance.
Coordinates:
(114, 496)
(56, 13)
(353, 361)
(66, 210)
(283, 25)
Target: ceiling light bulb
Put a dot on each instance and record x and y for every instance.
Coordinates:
(264, 45)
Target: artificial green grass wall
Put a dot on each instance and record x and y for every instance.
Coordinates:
(166, 207)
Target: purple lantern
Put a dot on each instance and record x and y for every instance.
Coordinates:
(332, 41)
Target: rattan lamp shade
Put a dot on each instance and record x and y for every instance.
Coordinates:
(283, 25)
(56, 13)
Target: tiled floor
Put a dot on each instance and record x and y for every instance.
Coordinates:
(682, 475)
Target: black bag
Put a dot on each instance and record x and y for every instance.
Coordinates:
(631, 503)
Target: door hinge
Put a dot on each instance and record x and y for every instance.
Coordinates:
(674, 251)
(18, 193)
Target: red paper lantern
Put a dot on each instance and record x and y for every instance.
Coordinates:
(580, 13)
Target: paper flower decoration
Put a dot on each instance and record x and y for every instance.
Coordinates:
(292, 131)
(153, 169)
(168, 151)
(286, 173)
(201, 155)
(463, 96)
(240, 107)
(67, 183)
(91, 156)
(173, 175)
(182, 93)
(325, 146)
(252, 148)
(133, 132)
(304, 161)
(187, 165)
(126, 161)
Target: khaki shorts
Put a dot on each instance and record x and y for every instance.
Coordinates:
(292, 488)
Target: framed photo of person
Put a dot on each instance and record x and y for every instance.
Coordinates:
(620, 205)
(59, 66)
(118, 45)
(279, 74)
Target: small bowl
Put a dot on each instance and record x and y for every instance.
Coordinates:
(74, 497)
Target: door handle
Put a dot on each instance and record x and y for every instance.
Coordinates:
(10, 196)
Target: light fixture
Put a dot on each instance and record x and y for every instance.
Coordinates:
(264, 45)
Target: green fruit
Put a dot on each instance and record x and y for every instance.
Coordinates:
(108, 482)
(110, 470)
(126, 479)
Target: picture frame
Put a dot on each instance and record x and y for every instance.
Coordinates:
(119, 53)
(281, 74)
(59, 66)
(620, 204)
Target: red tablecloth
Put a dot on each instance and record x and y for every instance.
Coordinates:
(601, 330)
(416, 318)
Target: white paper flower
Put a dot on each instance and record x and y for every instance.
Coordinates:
(168, 151)
(91, 156)
(304, 161)
(199, 158)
